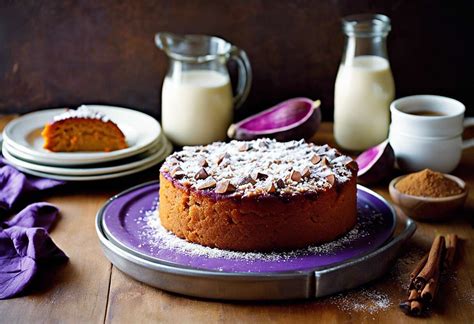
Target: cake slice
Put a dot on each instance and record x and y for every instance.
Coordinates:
(82, 129)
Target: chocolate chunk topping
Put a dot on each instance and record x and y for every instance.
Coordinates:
(295, 176)
(331, 179)
(222, 157)
(352, 165)
(224, 186)
(280, 183)
(325, 162)
(173, 161)
(244, 147)
(315, 159)
(201, 174)
(177, 172)
(246, 180)
(270, 187)
(209, 183)
(306, 172)
(257, 175)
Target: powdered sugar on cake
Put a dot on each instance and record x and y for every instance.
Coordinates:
(259, 167)
(157, 237)
(82, 112)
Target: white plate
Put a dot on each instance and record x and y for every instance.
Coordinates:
(47, 162)
(155, 153)
(95, 177)
(24, 135)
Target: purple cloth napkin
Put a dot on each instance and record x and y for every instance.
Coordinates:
(25, 248)
(25, 245)
(14, 185)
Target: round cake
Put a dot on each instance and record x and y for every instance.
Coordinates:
(258, 195)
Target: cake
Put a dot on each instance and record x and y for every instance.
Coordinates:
(82, 129)
(258, 195)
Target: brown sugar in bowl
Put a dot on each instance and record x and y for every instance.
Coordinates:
(429, 208)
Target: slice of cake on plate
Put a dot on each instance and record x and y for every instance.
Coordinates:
(83, 129)
(258, 195)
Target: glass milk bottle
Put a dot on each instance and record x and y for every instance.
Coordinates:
(197, 101)
(364, 85)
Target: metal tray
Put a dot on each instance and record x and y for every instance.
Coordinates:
(189, 280)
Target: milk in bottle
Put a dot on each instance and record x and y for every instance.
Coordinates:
(364, 85)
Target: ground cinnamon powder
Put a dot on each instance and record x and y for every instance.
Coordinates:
(428, 183)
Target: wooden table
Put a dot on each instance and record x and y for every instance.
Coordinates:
(88, 289)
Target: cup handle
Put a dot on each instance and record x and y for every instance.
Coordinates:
(469, 142)
(244, 74)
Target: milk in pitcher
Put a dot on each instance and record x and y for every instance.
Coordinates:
(197, 107)
(197, 99)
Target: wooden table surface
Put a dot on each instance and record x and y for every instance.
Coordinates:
(88, 289)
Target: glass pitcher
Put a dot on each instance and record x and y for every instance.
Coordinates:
(197, 101)
(364, 85)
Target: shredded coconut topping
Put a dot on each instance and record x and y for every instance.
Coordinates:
(82, 112)
(259, 167)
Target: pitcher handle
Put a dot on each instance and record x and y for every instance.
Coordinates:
(244, 74)
(469, 142)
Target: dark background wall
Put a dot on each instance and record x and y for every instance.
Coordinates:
(64, 53)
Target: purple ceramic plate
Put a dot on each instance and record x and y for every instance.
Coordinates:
(129, 222)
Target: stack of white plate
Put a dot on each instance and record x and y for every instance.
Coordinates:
(147, 146)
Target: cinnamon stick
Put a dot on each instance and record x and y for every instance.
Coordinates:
(413, 305)
(432, 263)
(425, 277)
(416, 308)
(414, 295)
(451, 244)
(430, 289)
(417, 269)
(405, 306)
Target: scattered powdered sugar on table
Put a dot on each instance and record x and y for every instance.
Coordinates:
(157, 237)
(407, 260)
(368, 300)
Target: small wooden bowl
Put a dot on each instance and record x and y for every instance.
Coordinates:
(428, 208)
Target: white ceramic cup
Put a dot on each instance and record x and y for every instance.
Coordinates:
(433, 142)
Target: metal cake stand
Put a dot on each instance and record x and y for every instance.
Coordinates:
(304, 276)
